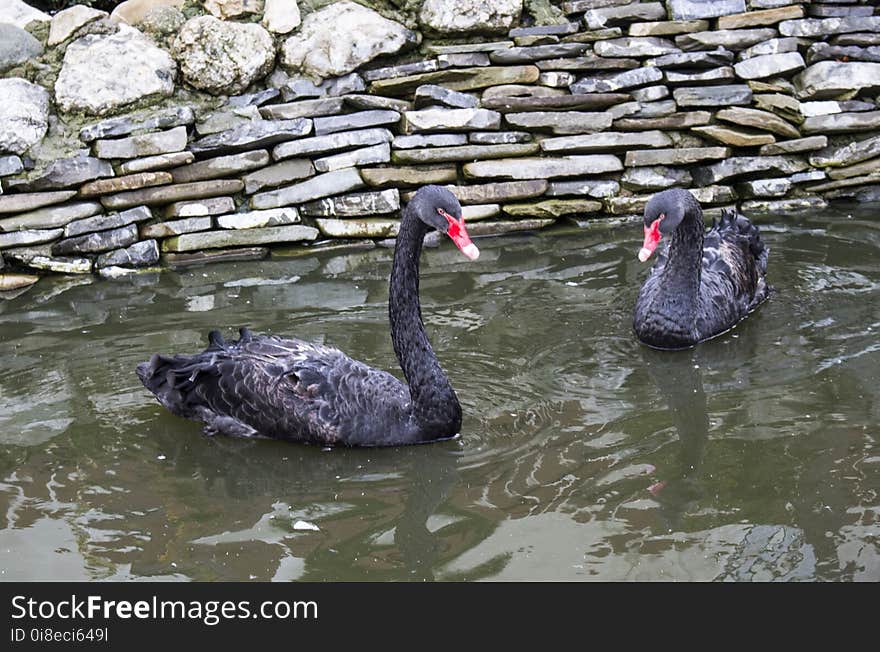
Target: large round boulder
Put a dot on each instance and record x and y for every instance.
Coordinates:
(24, 115)
(469, 16)
(339, 38)
(104, 72)
(221, 57)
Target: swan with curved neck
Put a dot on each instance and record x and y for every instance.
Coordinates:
(294, 390)
(706, 281)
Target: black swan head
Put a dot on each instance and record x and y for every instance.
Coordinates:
(663, 214)
(439, 209)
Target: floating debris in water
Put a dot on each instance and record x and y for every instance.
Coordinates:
(305, 525)
(160, 457)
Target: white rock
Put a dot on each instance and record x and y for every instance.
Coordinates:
(19, 13)
(230, 8)
(458, 16)
(133, 11)
(103, 72)
(305, 525)
(24, 114)
(223, 57)
(281, 16)
(66, 22)
(358, 35)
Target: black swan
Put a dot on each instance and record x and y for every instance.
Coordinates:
(293, 390)
(704, 283)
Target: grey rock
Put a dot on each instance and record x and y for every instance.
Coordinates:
(454, 119)
(299, 88)
(622, 14)
(10, 165)
(690, 9)
(23, 202)
(714, 194)
(498, 137)
(221, 166)
(677, 156)
(831, 78)
(769, 65)
(358, 101)
(827, 107)
(586, 102)
(654, 109)
(468, 16)
(140, 254)
(158, 162)
(259, 219)
(459, 80)
(380, 153)
(278, 175)
(649, 93)
(628, 79)
(322, 185)
(28, 237)
(16, 46)
(175, 227)
(729, 39)
(842, 123)
(97, 242)
(680, 120)
(823, 51)
(162, 142)
(66, 23)
(462, 153)
(598, 188)
(654, 178)
(765, 188)
(228, 119)
(390, 72)
(502, 191)
(463, 60)
(634, 205)
(735, 137)
(368, 227)
(668, 27)
(50, 217)
(141, 121)
(350, 83)
(59, 265)
(173, 193)
(808, 144)
(198, 258)
(105, 222)
(351, 121)
(24, 115)
(63, 173)
(606, 141)
(556, 79)
(782, 206)
(200, 207)
(331, 143)
(236, 238)
(824, 27)
(253, 99)
(398, 176)
(255, 136)
(121, 184)
(432, 94)
(724, 95)
(830, 11)
(429, 140)
(848, 154)
(725, 73)
(759, 120)
(366, 203)
(303, 109)
(774, 46)
(691, 60)
(500, 227)
(535, 53)
(742, 165)
(562, 122)
(588, 62)
(635, 46)
(543, 168)
(537, 30)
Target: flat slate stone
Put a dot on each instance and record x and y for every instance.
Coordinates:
(431, 94)
(234, 238)
(221, 166)
(59, 265)
(50, 217)
(764, 188)
(256, 135)
(441, 119)
(652, 109)
(403, 70)
(668, 27)
(563, 122)
(458, 79)
(200, 207)
(691, 60)
(847, 154)
(105, 222)
(782, 206)
(162, 142)
(857, 170)
(463, 59)
(626, 205)
(377, 102)
(654, 178)
(824, 52)
(730, 39)
(769, 65)
(259, 219)
(278, 175)
(220, 121)
(759, 120)
(828, 79)
(742, 165)
(98, 242)
(735, 137)
(635, 46)
(598, 188)
(537, 30)
(240, 254)
(782, 45)
(606, 141)
(621, 14)
(784, 106)
(760, 17)
(409, 176)
(462, 153)
(724, 73)
(500, 227)
(28, 237)
(23, 202)
(10, 164)
(588, 62)
(503, 191)
(64, 173)
(842, 123)
(172, 193)
(499, 137)
(351, 121)
(128, 182)
(691, 9)
(714, 194)
(364, 203)
(513, 55)
(543, 168)
(145, 120)
(322, 185)
(558, 102)
(368, 227)
(380, 153)
(175, 227)
(553, 208)
(415, 141)
(140, 254)
(676, 156)
(825, 27)
(628, 79)
(331, 143)
(303, 109)
(724, 95)
(158, 162)
(469, 47)
(680, 120)
(556, 79)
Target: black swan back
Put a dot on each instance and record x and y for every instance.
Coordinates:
(288, 389)
(705, 282)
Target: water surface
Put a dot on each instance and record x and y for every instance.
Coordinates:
(584, 456)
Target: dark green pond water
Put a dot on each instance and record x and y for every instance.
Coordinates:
(583, 456)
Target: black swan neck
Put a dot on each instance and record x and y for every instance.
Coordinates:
(683, 269)
(435, 406)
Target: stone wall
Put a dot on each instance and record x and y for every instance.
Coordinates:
(216, 131)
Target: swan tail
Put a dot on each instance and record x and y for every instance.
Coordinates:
(732, 221)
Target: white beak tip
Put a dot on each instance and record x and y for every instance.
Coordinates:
(644, 254)
(471, 251)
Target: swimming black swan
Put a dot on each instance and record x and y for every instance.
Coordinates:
(704, 283)
(289, 389)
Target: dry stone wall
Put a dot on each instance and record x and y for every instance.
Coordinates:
(174, 133)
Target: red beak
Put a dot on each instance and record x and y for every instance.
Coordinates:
(652, 239)
(460, 236)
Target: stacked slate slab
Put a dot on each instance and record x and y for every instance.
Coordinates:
(769, 104)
